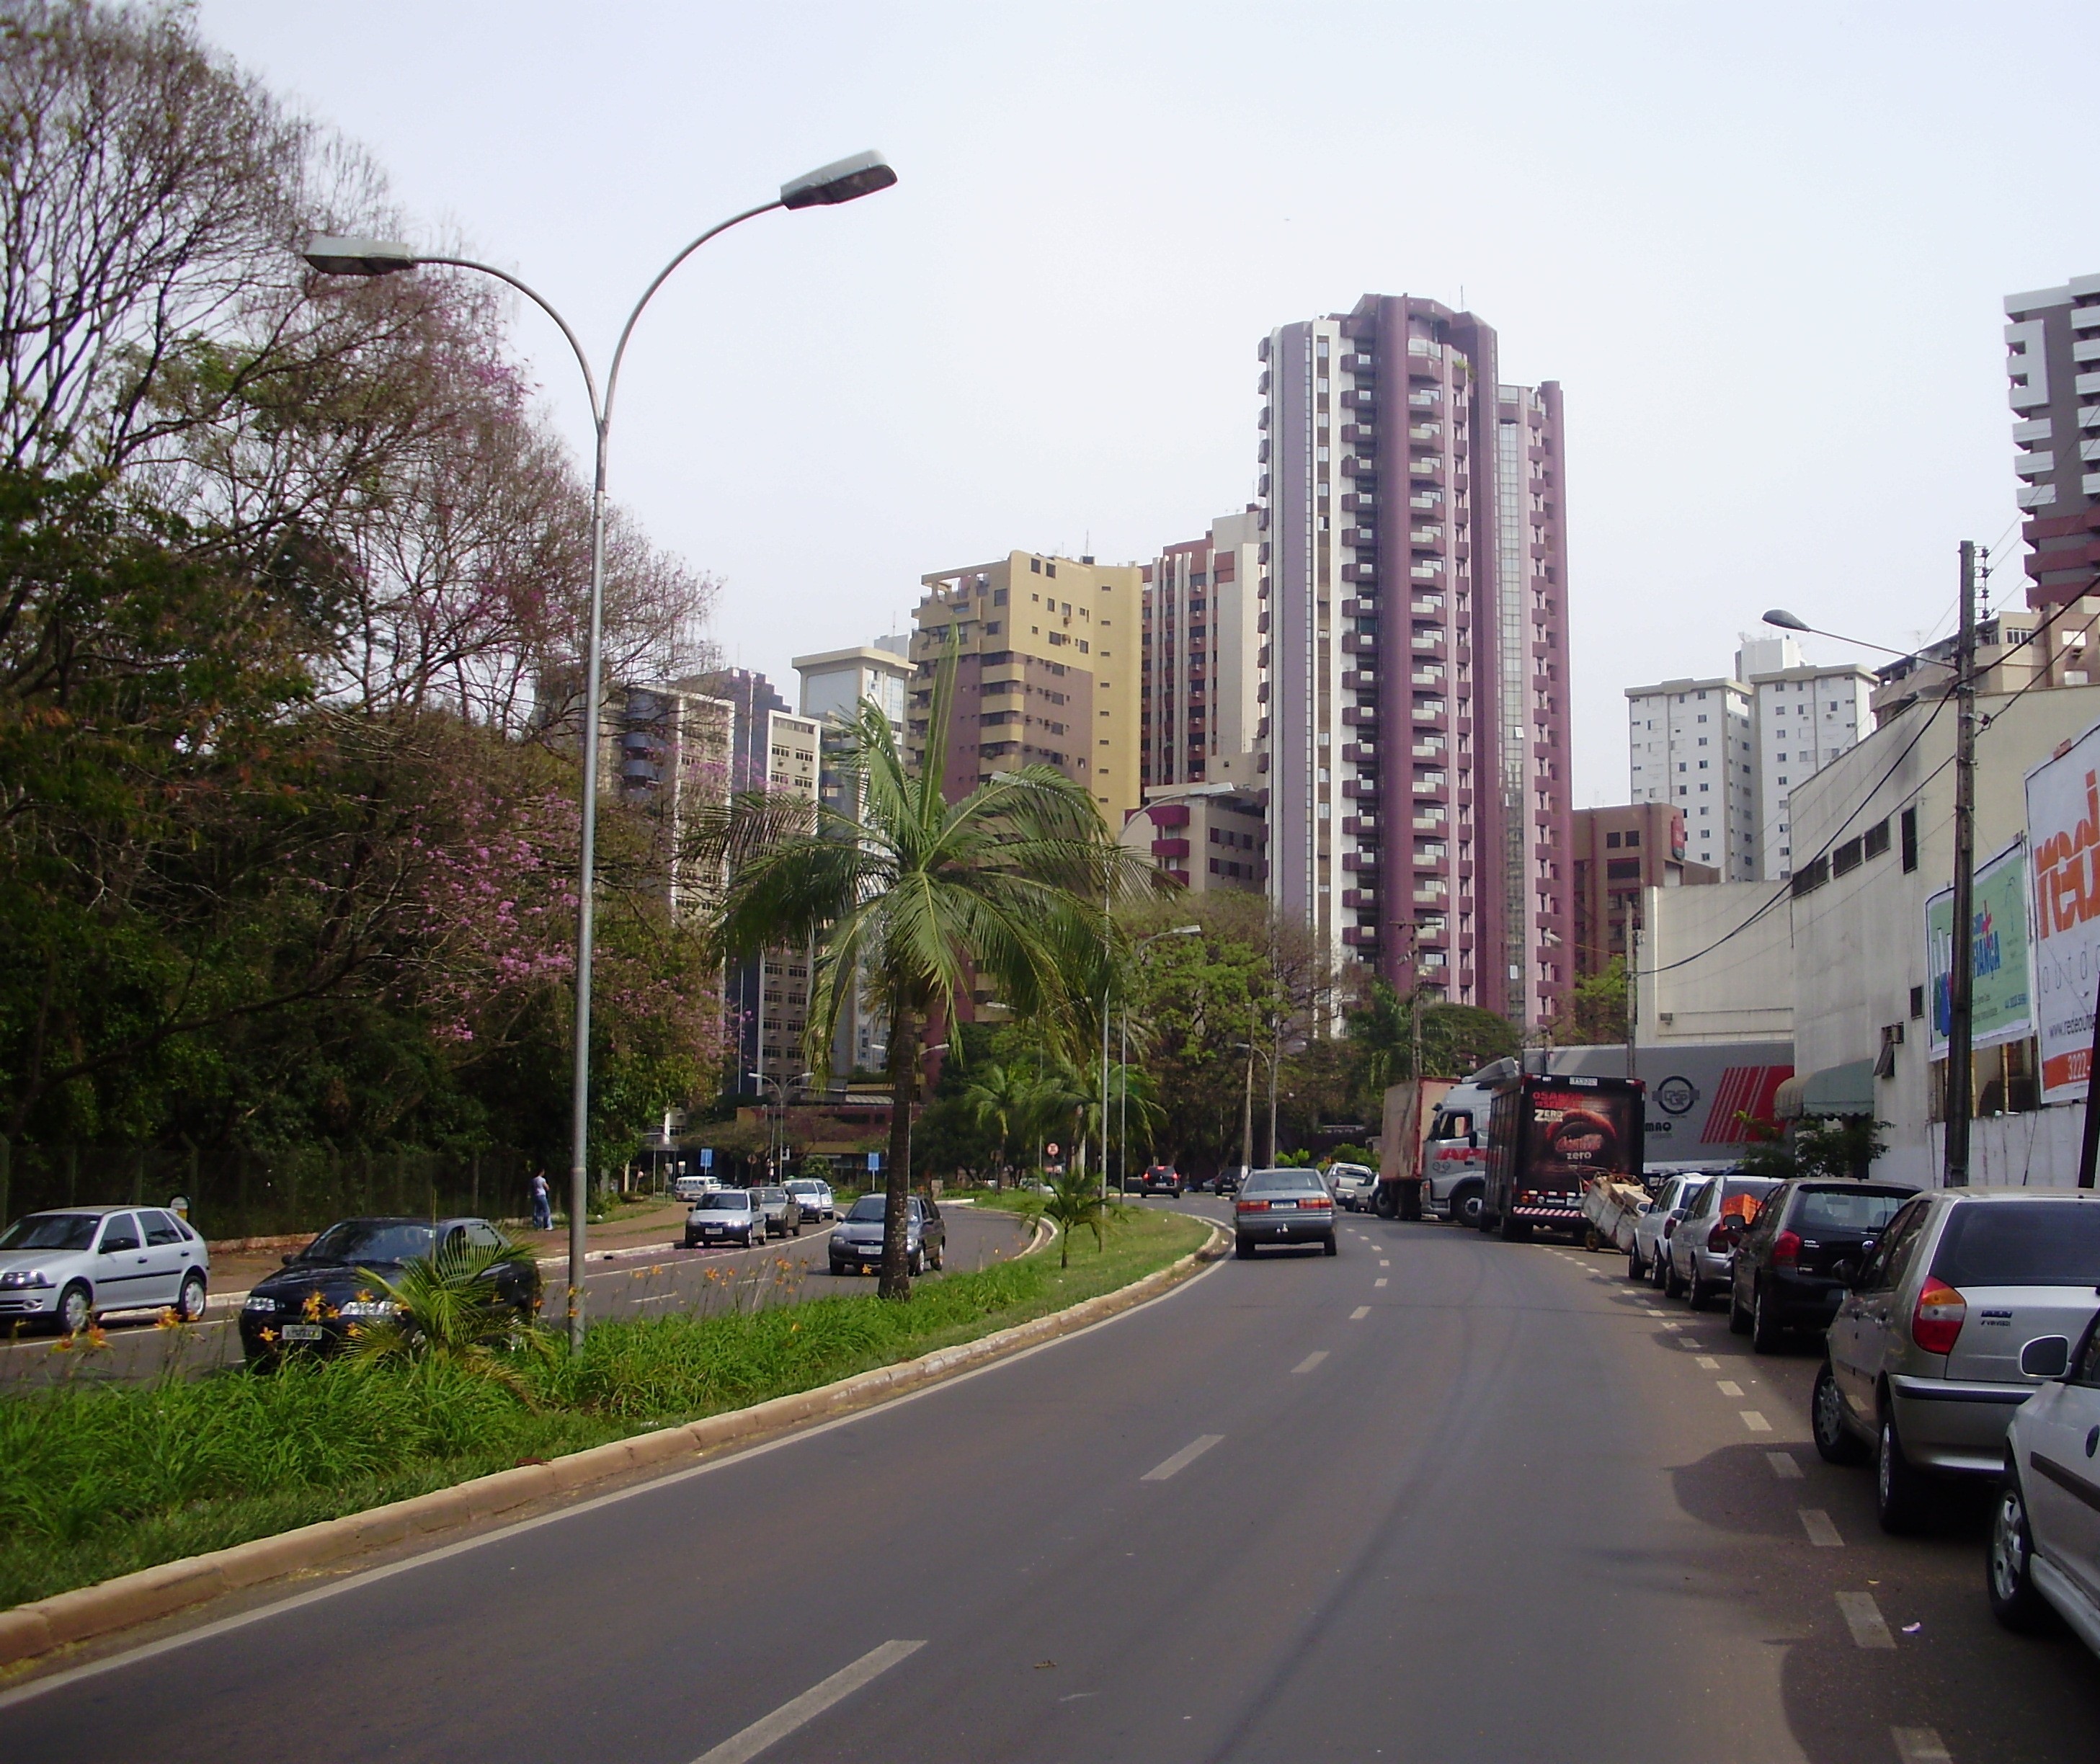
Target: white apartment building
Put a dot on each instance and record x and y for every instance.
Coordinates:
(1691, 743)
(1805, 717)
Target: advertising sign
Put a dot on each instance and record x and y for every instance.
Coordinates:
(1581, 1133)
(2063, 842)
(2000, 989)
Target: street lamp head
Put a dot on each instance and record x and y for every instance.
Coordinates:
(333, 256)
(1785, 620)
(843, 180)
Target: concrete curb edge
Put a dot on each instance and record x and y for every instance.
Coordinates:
(29, 1630)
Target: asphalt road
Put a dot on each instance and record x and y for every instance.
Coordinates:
(1438, 1497)
(627, 1283)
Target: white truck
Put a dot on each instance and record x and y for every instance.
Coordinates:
(1698, 1094)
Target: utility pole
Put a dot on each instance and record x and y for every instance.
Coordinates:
(1961, 978)
(1275, 1050)
(1246, 1112)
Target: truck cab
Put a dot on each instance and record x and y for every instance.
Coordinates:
(1455, 1156)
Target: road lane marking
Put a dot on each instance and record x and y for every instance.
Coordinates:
(1384, 1263)
(1821, 1533)
(1862, 1617)
(1783, 1466)
(1728, 1387)
(1359, 1313)
(1182, 1459)
(811, 1704)
(1378, 1282)
(1754, 1421)
(1668, 1326)
(1920, 1745)
(1706, 1362)
(1310, 1361)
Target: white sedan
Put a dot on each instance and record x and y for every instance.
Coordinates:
(68, 1267)
(2043, 1554)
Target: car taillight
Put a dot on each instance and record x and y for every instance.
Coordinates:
(1786, 1250)
(1940, 1313)
(1324, 1200)
(1669, 1226)
(1717, 1238)
(1249, 1206)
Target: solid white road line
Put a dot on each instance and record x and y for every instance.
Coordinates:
(1182, 1459)
(1378, 1282)
(810, 1704)
(1310, 1361)
(1783, 1466)
(1754, 1421)
(1728, 1387)
(1920, 1745)
(1821, 1533)
(1862, 1617)
(1359, 1313)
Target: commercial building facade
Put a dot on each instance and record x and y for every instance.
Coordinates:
(1202, 638)
(1614, 853)
(2052, 362)
(1414, 656)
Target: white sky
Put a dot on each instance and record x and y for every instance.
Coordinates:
(1762, 247)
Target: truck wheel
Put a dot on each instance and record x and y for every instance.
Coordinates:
(1410, 1200)
(1384, 1202)
(1514, 1230)
(1466, 1207)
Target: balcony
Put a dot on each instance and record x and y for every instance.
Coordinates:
(1427, 643)
(1359, 502)
(1426, 538)
(1360, 900)
(1363, 826)
(1425, 569)
(1424, 399)
(1358, 679)
(1363, 938)
(1429, 605)
(1360, 715)
(1425, 469)
(1360, 363)
(1363, 862)
(1428, 710)
(1169, 814)
(1431, 893)
(1362, 467)
(1427, 676)
(1363, 753)
(1359, 434)
(1358, 789)
(1427, 750)
(1164, 848)
(1433, 822)
(1359, 643)
(1364, 575)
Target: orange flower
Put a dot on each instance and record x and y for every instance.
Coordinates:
(167, 1319)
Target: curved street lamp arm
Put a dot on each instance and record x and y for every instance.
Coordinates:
(539, 300)
(663, 276)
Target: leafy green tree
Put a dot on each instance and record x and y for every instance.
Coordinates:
(1594, 1010)
(925, 898)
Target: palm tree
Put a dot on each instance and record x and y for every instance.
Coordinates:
(922, 898)
(1017, 1104)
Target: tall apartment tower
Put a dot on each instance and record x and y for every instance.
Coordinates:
(1200, 682)
(1693, 744)
(1414, 685)
(1048, 672)
(2053, 360)
(1802, 718)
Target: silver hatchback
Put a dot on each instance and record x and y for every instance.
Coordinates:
(1924, 1366)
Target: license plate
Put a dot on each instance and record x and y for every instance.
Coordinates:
(302, 1332)
(1283, 1206)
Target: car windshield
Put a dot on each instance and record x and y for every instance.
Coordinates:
(1846, 1209)
(372, 1240)
(799, 1189)
(51, 1230)
(726, 1201)
(773, 1197)
(2021, 1243)
(867, 1208)
(1285, 1182)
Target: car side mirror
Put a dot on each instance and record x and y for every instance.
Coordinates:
(1472, 1142)
(2046, 1356)
(286, 1261)
(1845, 1270)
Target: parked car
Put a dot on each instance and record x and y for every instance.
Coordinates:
(1700, 1253)
(2044, 1549)
(63, 1269)
(1653, 1228)
(727, 1215)
(313, 1301)
(1352, 1186)
(783, 1212)
(857, 1245)
(1159, 1179)
(814, 1197)
(1284, 1206)
(1927, 1358)
(1783, 1275)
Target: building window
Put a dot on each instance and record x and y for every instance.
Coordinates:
(1908, 822)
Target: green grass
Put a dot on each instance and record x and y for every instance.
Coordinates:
(97, 1480)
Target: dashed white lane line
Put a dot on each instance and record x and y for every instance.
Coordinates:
(1384, 1261)
(1783, 1466)
(739, 1748)
(1378, 1282)
(1669, 1325)
(1727, 1387)
(1707, 1363)
(1310, 1361)
(1754, 1421)
(1182, 1459)
(1920, 1745)
(1863, 1618)
(1821, 1533)
(1359, 1313)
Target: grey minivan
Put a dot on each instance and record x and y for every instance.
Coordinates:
(1950, 1323)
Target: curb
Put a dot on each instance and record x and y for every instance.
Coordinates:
(88, 1612)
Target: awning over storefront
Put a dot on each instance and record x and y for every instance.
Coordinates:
(1837, 1090)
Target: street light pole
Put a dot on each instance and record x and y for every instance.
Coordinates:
(844, 181)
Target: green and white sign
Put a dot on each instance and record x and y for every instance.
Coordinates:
(2003, 992)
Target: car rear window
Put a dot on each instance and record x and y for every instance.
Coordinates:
(1741, 1196)
(1285, 1182)
(1844, 1210)
(2021, 1243)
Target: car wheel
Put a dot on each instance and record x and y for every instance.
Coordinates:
(1766, 1335)
(940, 1255)
(1328, 1244)
(1739, 1318)
(915, 1264)
(692, 1242)
(1671, 1284)
(2008, 1563)
(76, 1309)
(1835, 1442)
(1634, 1270)
(1243, 1249)
(1902, 1497)
(189, 1306)
(1696, 1292)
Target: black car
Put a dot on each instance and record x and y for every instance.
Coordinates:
(1158, 1179)
(1784, 1276)
(327, 1288)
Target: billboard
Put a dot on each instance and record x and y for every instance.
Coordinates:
(1582, 1133)
(2001, 987)
(2063, 843)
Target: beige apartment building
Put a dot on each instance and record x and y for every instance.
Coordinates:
(1048, 653)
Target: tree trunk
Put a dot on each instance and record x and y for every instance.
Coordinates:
(906, 1027)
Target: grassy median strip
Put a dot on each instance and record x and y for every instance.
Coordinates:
(97, 1480)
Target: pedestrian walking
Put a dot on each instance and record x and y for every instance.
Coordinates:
(542, 1207)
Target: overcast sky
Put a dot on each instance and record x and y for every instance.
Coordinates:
(1762, 247)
